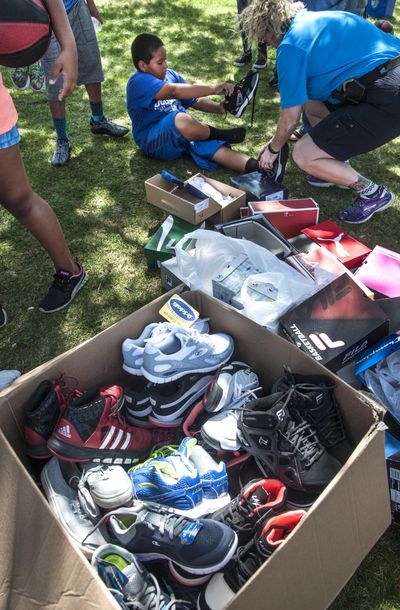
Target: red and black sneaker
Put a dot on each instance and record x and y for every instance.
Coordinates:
(258, 500)
(93, 427)
(223, 586)
(42, 412)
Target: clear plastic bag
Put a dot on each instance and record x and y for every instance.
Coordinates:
(210, 254)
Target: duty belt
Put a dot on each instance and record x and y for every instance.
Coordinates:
(353, 89)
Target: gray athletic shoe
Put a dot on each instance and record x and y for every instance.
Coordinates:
(61, 153)
(133, 349)
(65, 504)
(183, 352)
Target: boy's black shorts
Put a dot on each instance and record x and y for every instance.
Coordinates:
(352, 130)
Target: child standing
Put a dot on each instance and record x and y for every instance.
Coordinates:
(157, 103)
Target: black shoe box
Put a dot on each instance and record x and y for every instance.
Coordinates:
(335, 324)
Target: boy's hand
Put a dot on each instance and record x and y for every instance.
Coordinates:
(66, 64)
(223, 89)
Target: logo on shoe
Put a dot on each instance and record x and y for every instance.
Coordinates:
(264, 441)
(65, 431)
(281, 414)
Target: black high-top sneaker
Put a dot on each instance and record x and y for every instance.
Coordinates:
(257, 500)
(286, 444)
(243, 93)
(313, 398)
(223, 586)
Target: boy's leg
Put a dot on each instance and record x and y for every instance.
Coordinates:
(237, 161)
(193, 130)
(245, 58)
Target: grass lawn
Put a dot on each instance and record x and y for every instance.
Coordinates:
(100, 200)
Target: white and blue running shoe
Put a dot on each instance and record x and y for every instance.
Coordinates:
(132, 349)
(183, 352)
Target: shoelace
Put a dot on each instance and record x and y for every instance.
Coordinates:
(244, 507)
(61, 387)
(152, 597)
(86, 501)
(304, 441)
(246, 561)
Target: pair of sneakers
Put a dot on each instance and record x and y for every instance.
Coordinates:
(31, 76)
(185, 478)
(167, 352)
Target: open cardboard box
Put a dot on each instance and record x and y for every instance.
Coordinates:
(167, 196)
(42, 568)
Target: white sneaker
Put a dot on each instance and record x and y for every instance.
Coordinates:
(107, 486)
(133, 349)
(184, 352)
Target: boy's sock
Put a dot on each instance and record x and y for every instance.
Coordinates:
(60, 125)
(97, 111)
(233, 136)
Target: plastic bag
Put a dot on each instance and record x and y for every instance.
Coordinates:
(211, 253)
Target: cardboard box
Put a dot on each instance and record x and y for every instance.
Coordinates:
(290, 216)
(44, 569)
(167, 196)
(348, 250)
(161, 245)
(335, 324)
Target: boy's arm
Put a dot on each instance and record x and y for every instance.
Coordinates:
(184, 91)
(93, 10)
(67, 61)
(206, 105)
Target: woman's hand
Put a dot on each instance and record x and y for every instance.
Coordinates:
(266, 158)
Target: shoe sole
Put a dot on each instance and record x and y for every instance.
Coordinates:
(359, 222)
(218, 444)
(71, 453)
(260, 67)
(83, 281)
(105, 132)
(247, 101)
(188, 582)
(176, 376)
(327, 185)
(206, 570)
(37, 452)
(4, 318)
(131, 371)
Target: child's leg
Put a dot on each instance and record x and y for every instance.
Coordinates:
(237, 161)
(17, 196)
(193, 130)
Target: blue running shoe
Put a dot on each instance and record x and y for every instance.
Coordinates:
(172, 481)
(129, 581)
(363, 208)
(213, 477)
(183, 352)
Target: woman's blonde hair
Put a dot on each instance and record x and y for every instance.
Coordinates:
(272, 16)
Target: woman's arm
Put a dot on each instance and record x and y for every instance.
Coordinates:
(67, 61)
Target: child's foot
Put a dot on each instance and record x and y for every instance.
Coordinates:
(107, 127)
(61, 153)
(63, 289)
(20, 78)
(261, 62)
(37, 77)
(243, 59)
(3, 317)
(234, 135)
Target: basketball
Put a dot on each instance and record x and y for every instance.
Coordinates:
(25, 32)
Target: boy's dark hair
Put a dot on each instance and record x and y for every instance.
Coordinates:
(143, 48)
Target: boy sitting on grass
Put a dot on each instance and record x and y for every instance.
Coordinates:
(157, 102)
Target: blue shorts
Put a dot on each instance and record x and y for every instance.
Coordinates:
(165, 143)
(10, 138)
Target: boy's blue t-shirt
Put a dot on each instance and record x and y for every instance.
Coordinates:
(143, 109)
(69, 4)
(320, 51)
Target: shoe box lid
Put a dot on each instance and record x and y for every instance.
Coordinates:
(161, 245)
(335, 324)
(338, 531)
(167, 196)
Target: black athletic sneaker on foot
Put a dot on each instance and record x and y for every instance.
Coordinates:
(257, 500)
(107, 127)
(63, 289)
(243, 59)
(243, 93)
(313, 398)
(286, 444)
(3, 317)
(277, 171)
(223, 586)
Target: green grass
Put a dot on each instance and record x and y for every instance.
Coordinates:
(100, 200)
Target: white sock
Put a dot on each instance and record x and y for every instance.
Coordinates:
(369, 190)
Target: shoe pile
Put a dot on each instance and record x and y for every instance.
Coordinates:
(150, 502)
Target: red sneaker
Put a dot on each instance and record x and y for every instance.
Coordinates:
(93, 427)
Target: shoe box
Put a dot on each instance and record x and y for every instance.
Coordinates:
(336, 323)
(290, 216)
(161, 245)
(177, 201)
(41, 567)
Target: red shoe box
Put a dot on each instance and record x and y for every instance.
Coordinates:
(290, 216)
(348, 250)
